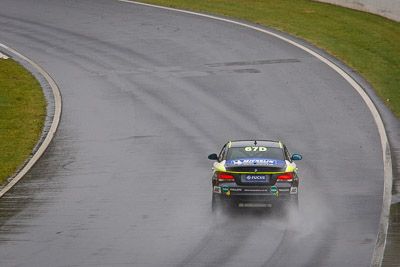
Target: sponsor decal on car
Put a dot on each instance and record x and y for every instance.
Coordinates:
(274, 190)
(217, 189)
(293, 190)
(255, 161)
(257, 178)
(256, 190)
(233, 189)
(226, 190)
(284, 189)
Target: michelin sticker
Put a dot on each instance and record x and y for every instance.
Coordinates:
(255, 161)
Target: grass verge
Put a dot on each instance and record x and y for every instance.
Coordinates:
(367, 43)
(22, 116)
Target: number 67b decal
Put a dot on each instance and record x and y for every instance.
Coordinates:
(255, 148)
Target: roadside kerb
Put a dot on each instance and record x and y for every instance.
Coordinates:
(2, 56)
(54, 124)
(387, 159)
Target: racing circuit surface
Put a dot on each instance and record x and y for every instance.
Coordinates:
(148, 94)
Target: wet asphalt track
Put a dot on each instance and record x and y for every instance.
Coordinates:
(147, 95)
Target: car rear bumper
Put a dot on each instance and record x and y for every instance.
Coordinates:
(255, 196)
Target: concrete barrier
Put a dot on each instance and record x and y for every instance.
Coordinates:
(385, 8)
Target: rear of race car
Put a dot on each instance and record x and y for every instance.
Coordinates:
(255, 183)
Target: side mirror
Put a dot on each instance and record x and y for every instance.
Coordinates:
(213, 156)
(296, 157)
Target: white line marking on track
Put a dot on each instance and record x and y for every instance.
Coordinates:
(53, 127)
(387, 159)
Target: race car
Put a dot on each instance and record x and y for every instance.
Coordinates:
(254, 173)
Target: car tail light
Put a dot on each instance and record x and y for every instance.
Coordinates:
(225, 176)
(285, 177)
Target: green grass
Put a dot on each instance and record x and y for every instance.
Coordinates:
(367, 43)
(22, 115)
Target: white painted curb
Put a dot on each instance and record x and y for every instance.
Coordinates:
(53, 127)
(387, 159)
(2, 56)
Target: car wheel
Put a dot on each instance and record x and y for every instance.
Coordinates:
(294, 202)
(215, 204)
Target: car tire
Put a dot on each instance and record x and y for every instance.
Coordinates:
(294, 202)
(215, 204)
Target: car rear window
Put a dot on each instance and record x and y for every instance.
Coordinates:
(255, 152)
